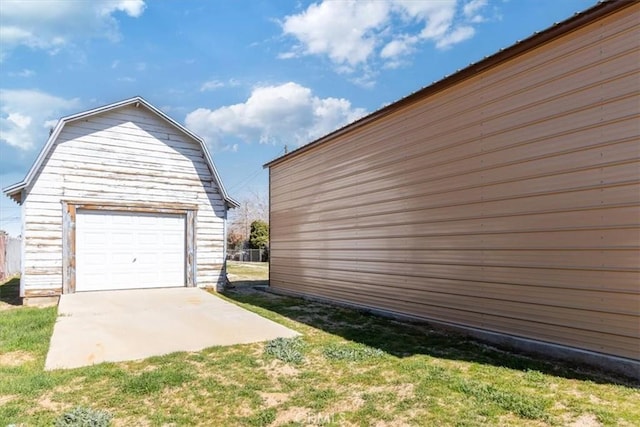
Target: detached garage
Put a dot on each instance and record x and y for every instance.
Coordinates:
(121, 197)
(503, 200)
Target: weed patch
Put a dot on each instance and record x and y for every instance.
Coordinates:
(84, 417)
(262, 418)
(288, 350)
(351, 353)
(528, 407)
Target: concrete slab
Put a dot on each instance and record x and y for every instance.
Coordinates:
(114, 326)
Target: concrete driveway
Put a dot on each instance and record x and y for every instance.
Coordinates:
(113, 326)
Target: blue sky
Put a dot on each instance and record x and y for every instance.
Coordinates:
(249, 76)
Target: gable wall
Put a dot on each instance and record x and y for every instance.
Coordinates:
(509, 202)
(123, 156)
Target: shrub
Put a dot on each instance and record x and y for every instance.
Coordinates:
(286, 349)
(351, 353)
(84, 417)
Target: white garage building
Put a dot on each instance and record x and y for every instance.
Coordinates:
(121, 197)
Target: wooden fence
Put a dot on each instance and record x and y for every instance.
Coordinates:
(9, 256)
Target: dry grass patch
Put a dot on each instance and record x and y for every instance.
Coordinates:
(274, 399)
(276, 370)
(394, 423)
(16, 358)
(7, 398)
(131, 421)
(48, 403)
(293, 415)
(586, 420)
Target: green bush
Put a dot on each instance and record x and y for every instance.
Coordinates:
(84, 417)
(351, 353)
(286, 349)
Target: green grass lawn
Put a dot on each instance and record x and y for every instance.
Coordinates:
(348, 368)
(249, 271)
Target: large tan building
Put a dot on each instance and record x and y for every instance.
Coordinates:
(503, 200)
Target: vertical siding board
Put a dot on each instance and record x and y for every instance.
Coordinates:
(191, 248)
(68, 248)
(509, 201)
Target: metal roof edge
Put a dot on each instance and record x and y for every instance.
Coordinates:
(579, 19)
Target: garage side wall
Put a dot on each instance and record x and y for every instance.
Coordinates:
(508, 202)
(124, 156)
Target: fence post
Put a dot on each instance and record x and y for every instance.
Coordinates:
(3, 253)
(13, 256)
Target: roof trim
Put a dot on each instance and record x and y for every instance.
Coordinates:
(576, 21)
(14, 191)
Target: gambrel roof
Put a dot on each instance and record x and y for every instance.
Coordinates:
(15, 191)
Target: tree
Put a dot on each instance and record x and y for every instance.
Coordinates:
(235, 240)
(259, 238)
(255, 207)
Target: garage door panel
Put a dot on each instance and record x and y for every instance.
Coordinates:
(118, 238)
(94, 238)
(148, 239)
(124, 250)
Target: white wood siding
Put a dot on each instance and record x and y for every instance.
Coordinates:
(128, 155)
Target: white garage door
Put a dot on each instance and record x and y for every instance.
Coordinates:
(125, 250)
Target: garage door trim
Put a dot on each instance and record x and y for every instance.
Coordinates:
(69, 209)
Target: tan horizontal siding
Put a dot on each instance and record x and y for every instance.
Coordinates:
(579, 219)
(530, 325)
(598, 279)
(508, 202)
(478, 285)
(611, 259)
(434, 167)
(124, 156)
(595, 197)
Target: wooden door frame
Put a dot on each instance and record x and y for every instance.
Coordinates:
(69, 211)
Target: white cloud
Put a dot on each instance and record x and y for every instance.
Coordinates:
(456, 36)
(215, 84)
(399, 47)
(345, 31)
(26, 116)
(354, 34)
(288, 113)
(472, 8)
(287, 55)
(50, 123)
(231, 147)
(25, 72)
(211, 85)
(52, 24)
(18, 120)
